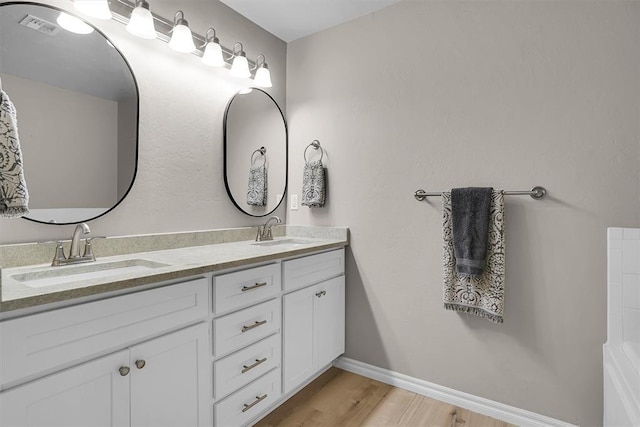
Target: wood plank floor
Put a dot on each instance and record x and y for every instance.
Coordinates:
(339, 398)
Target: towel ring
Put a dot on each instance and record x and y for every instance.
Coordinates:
(315, 144)
(262, 151)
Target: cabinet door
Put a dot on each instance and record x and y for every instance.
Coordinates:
(300, 356)
(329, 320)
(90, 394)
(169, 381)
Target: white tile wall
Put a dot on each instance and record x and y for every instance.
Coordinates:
(624, 285)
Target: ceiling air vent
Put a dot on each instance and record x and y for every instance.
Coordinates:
(41, 25)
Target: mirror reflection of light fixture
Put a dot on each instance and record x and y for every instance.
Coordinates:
(263, 76)
(212, 50)
(240, 65)
(95, 8)
(73, 24)
(141, 21)
(181, 37)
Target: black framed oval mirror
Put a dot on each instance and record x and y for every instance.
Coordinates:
(77, 108)
(255, 152)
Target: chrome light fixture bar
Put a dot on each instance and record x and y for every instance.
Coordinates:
(121, 11)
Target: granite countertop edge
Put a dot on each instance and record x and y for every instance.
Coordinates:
(35, 297)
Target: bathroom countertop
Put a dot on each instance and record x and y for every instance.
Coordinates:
(180, 263)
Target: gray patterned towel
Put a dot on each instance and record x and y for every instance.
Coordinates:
(257, 189)
(14, 197)
(470, 224)
(313, 184)
(484, 295)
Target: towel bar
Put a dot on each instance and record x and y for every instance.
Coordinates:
(536, 193)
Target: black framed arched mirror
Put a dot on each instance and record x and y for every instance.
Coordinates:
(77, 107)
(255, 152)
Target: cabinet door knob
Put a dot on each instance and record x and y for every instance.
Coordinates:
(140, 363)
(321, 293)
(124, 370)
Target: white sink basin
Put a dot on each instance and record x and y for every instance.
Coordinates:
(284, 243)
(82, 272)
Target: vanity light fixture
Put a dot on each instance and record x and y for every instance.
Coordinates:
(73, 24)
(95, 8)
(141, 21)
(181, 37)
(263, 76)
(212, 50)
(240, 65)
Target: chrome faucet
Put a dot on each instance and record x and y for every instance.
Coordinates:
(264, 231)
(74, 251)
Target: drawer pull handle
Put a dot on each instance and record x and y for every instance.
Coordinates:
(255, 325)
(256, 286)
(250, 367)
(140, 363)
(259, 399)
(124, 371)
(321, 293)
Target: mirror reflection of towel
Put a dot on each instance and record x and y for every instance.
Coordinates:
(257, 188)
(313, 184)
(14, 197)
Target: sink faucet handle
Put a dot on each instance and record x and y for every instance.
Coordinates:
(59, 256)
(259, 234)
(88, 249)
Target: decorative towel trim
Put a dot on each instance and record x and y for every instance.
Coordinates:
(14, 197)
(481, 296)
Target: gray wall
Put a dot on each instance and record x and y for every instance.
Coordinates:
(437, 95)
(179, 186)
(127, 135)
(71, 162)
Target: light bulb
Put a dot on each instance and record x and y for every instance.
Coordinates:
(95, 8)
(263, 77)
(181, 37)
(213, 55)
(240, 67)
(73, 24)
(141, 22)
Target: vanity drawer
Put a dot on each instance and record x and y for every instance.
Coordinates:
(245, 287)
(240, 368)
(44, 342)
(305, 271)
(247, 403)
(244, 327)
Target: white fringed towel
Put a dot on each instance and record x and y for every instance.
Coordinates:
(484, 295)
(14, 197)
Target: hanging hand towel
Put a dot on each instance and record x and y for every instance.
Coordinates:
(14, 197)
(257, 189)
(470, 223)
(478, 295)
(313, 184)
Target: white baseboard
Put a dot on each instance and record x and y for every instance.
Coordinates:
(468, 401)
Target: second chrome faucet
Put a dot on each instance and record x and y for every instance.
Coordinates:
(74, 251)
(264, 231)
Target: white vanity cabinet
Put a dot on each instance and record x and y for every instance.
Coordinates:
(107, 363)
(313, 317)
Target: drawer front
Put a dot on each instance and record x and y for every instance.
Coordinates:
(244, 327)
(249, 402)
(305, 271)
(55, 339)
(240, 368)
(246, 287)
